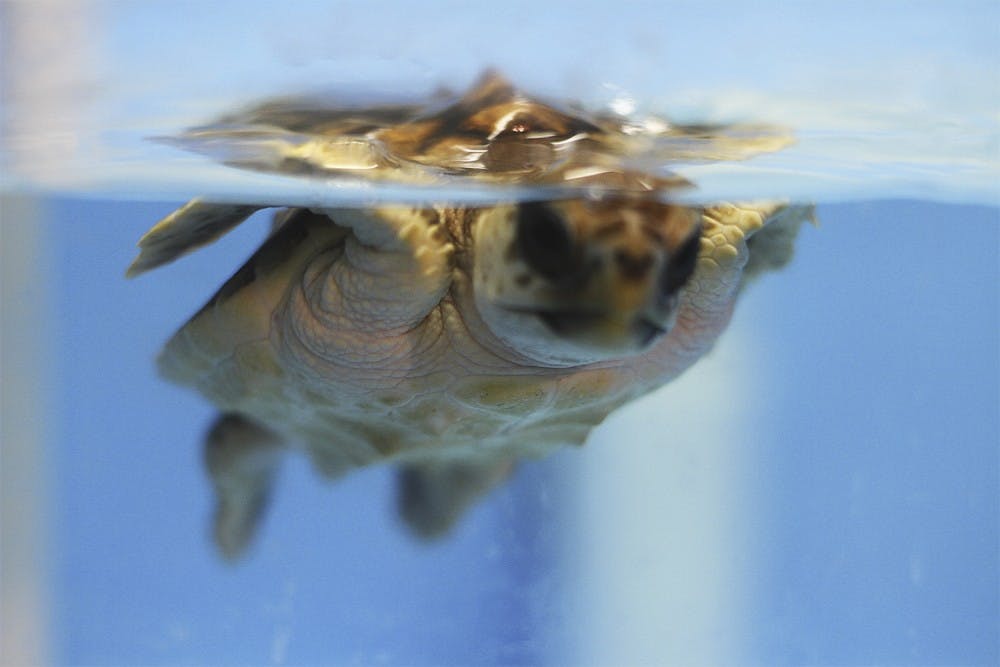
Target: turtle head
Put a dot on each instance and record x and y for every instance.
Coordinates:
(583, 280)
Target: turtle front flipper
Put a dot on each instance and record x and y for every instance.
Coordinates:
(193, 225)
(242, 458)
(432, 497)
(396, 267)
(771, 248)
(741, 241)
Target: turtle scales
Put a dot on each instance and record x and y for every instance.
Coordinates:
(454, 339)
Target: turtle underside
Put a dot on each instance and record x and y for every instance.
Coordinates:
(454, 339)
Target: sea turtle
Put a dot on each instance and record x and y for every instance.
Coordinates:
(454, 339)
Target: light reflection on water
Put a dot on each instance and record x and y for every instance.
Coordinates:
(921, 123)
(822, 489)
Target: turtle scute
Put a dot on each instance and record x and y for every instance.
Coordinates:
(455, 339)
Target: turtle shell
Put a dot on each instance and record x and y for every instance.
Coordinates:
(494, 134)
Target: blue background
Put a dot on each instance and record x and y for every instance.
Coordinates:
(849, 517)
(877, 480)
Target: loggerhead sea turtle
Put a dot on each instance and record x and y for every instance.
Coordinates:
(454, 339)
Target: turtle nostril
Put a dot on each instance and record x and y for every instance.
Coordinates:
(633, 267)
(545, 242)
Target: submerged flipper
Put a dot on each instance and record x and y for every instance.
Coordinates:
(193, 225)
(772, 247)
(242, 458)
(431, 497)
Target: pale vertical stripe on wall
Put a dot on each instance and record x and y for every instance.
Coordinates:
(658, 548)
(23, 415)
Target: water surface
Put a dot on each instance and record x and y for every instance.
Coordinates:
(822, 489)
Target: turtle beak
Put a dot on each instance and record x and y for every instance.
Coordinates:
(610, 334)
(586, 280)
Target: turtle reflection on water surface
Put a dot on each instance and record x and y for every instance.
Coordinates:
(453, 340)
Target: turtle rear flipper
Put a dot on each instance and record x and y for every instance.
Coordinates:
(242, 459)
(432, 497)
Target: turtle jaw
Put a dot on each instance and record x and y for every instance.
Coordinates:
(565, 336)
(581, 281)
(603, 334)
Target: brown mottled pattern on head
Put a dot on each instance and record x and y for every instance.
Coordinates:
(494, 125)
(636, 221)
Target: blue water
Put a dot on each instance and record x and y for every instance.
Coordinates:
(871, 465)
(822, 489)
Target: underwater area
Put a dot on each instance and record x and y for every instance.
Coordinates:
(822, 488)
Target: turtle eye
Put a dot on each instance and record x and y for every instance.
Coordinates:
(544, 242)
(681, 266)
